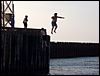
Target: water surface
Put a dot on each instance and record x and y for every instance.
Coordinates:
(75, 66)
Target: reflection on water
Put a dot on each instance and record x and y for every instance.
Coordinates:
(75, 66)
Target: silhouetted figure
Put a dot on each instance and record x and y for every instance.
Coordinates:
(25, 21)
(54, 24)
(12, 21)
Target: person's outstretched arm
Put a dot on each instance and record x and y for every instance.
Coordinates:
(60, 17)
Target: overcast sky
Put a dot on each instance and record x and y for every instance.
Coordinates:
(81, 23)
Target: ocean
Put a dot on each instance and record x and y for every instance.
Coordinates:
(74, 66)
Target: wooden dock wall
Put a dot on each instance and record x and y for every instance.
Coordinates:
(24, 51)
(70, 49)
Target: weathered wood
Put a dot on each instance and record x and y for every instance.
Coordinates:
(25, 51)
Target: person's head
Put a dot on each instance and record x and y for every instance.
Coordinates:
(55, 14)
(26, 16)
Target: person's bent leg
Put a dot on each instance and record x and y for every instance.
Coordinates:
(52, 29)
(55, 28)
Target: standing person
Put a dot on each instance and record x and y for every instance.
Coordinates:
(25, 21)
(12, 21)
(54, 24)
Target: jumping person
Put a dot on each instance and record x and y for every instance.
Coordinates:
(54, 24)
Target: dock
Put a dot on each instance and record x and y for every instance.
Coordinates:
(24, 51)
(73, 49)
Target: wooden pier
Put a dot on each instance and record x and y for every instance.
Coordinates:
(72, 49)
(24, 51)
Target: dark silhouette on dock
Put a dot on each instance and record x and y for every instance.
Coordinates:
(25, 21)
(54, 24)
(12, 21)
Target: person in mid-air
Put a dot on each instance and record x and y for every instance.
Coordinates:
(54, 24)
(25, 21)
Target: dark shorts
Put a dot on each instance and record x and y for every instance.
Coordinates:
(54, 24)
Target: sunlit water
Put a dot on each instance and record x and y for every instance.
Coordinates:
(75, 66)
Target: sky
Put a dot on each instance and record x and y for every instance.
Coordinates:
(81, 23)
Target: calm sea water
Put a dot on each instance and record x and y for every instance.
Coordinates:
(75, 66)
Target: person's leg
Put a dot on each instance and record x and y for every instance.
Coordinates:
(55, 28)
(52, 29)
(25, 25)
(53, 24)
